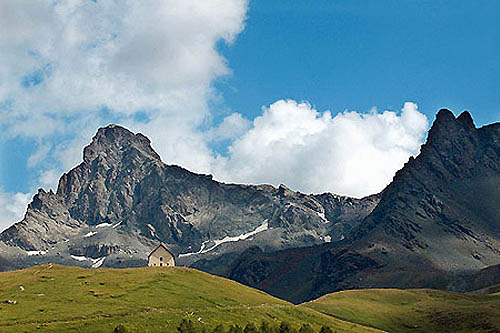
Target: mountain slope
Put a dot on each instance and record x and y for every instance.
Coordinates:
(59, 298)
(436, 224)
(420, 310)
(122, 200)
(5, 265)
(443, 205)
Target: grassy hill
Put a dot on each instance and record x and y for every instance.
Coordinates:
(420, 310)
(60, 298)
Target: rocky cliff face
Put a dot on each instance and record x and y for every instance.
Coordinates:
(122, 200)
(443, 205)
(435, 226)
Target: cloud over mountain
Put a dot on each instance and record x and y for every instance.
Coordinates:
(68, 67)
(351, 153)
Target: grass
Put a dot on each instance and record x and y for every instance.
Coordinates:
(420, 310)
(61, 298)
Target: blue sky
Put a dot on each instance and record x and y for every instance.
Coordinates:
(218, 86)
(358, 54)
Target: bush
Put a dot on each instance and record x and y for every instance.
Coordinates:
(219, 329)
(186, 326)
(251, 328)
(306, 328)
(285, 327)
(235, 329)
(265, 328)
(325, 329)
(120, 329)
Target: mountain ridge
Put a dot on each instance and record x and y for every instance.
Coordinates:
(122, 199)
(435, 225)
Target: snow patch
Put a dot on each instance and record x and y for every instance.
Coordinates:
(79, 258)
(36, 253)
(116, 225)
(103, 225)
(328, 238)
(152, 230)
(323, 217)
(97, 262)
(264, 226)
(90, 234)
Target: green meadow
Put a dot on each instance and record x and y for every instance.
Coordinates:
(58, 298)
(419, 310)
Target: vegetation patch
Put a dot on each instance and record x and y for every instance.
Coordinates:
(61, 298)
(419, 310)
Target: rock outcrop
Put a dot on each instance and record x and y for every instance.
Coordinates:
(436, 225)
(122, 200)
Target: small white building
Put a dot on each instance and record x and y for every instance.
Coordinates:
(161, 256)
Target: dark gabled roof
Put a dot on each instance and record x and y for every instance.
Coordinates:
(165, 247)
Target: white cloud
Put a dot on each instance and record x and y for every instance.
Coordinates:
(70, 66)
(352, 153)
(231, 127)
(50, 178)
(12, 207)
(67, 61)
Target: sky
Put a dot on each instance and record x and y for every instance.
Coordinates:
(319, 95)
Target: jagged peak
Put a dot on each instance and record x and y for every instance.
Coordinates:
(444, 115)
(116, 138)
(283, 190)
(466, 120)
(114, 133)
(446, 125)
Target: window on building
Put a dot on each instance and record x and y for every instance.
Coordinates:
(161, 264)
(161, 258)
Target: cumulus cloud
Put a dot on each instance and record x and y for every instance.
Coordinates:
(68, 67)
(68, 61)
(351, 153)
(231, 127)
(12, 207)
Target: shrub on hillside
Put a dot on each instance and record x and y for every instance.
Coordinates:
(306, 328)
(286, 328)
(251, 328)
(235, 329)
(186, 326)
(325, 329)
(120, 329)
(219, 329)
(265, 327)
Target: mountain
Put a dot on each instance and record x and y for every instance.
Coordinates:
(5, 265)
(436, 225)
(444, 204)
(122, 200)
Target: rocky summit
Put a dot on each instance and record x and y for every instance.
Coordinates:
(437, 225)
(122, 200)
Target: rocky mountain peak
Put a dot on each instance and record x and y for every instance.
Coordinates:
(448, 131)
(444, 115)
(115, 141)
(115, 158)
(465, 119)
(284, 191)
